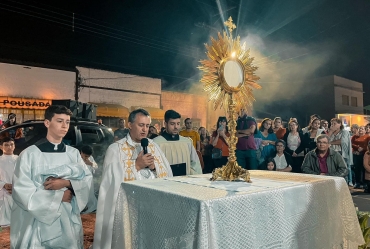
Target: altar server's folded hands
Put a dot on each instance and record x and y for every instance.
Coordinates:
(56, 183)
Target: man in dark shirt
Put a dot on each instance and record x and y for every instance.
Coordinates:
(246, 146)
(323, 160)
(121, 132)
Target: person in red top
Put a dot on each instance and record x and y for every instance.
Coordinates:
(12, 133)
(278, 129)
(367, 169)
(359, 146)
(219, 141)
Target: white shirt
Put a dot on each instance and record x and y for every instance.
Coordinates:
(280, 161)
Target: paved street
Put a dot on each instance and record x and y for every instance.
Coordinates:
(361, 199)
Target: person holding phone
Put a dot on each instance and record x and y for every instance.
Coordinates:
(220, 151)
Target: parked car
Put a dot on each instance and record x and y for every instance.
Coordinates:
(80, 133)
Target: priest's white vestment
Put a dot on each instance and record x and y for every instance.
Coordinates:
(119, 166)
(7, 165)
(39, 217)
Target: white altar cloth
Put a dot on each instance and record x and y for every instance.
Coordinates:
(276, 210)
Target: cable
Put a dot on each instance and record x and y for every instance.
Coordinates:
(166, 43)
(96, 32)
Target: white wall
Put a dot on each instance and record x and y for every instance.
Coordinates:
(350, 88)
(119, 81)
(35, 82)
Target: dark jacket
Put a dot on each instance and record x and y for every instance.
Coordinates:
(301, 146)
(335, 163)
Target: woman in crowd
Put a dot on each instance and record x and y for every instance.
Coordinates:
(354, 129)
(366, 166)
(219, 141)
(313, 131)
(312, 117)
(12, 133)
(268, 137)
(325, 126)
(152, 132)
(359, 146)
(279, 130)
(294, 141)
(340, 141)
(206, 150)
(367, 129)
(282, 159)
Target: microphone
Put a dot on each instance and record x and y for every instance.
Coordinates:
(144, 144)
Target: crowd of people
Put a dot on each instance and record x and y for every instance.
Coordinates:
(291, 149)
(44, 190)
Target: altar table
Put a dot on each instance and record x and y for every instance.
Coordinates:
(276, 210)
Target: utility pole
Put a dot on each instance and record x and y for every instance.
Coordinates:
(77, 85)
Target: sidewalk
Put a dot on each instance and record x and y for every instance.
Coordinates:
(361, 199)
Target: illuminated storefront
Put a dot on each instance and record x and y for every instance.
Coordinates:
(349, 119)
(24, 108)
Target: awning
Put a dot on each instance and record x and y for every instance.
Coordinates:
(155, 113)
(367, 108)
(111, 110)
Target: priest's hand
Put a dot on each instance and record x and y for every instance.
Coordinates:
(56, 183)
(143, 161)
(8, 187)
(67, 196)
(152, 166)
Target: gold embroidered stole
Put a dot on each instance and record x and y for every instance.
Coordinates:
(128, 162)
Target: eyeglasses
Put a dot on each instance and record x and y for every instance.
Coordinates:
(279, 145)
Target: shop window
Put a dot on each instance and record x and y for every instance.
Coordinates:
(354, 101)
(39, 114)
(345, 100)
(28, 115)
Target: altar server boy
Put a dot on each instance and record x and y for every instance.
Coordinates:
(51, 187)
(7, 164)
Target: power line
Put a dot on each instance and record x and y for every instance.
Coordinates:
(94, 23)
(156, 46)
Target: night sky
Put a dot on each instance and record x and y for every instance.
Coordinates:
(292, 41)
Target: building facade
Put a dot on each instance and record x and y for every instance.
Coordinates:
(27, 91)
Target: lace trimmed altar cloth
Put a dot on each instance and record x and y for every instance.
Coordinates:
(276, 210)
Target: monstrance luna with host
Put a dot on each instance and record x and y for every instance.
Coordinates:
(229, 80)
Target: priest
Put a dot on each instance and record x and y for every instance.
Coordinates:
(7, 164)
(51, 187)
(126, 160)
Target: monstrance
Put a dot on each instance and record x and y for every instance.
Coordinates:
(229, 79)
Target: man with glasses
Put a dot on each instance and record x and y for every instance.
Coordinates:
(323, 160)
